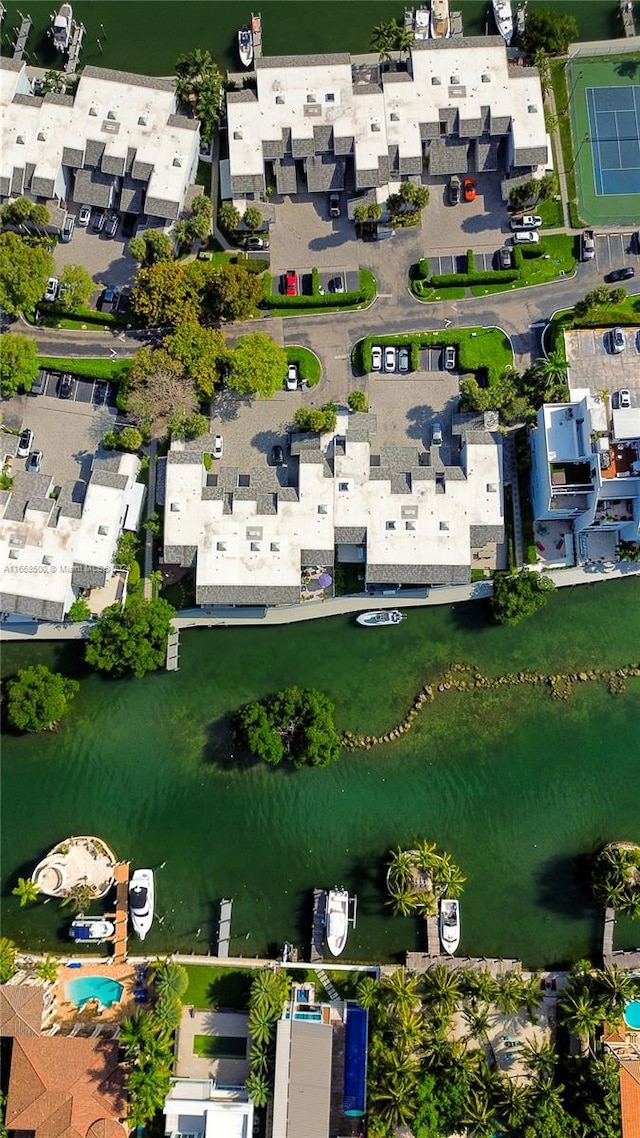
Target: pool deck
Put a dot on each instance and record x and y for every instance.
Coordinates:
(66, 1012)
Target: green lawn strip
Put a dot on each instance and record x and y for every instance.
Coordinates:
(559, 83)
(308, 363)
(220, 1046)
(211, 987)
(114, 370)
(428, 293)
(559, 259)
(550, 211)
(609, 315)
(203, 177)
(486, 348)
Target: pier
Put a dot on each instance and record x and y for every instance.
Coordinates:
(422, 962)
(23, 34)
(173, 650)
(433, 937)
(628, 19)
(121, 915)
(74, 49)
(318, 925)
(628, 959)
(224, 928)
(256, 34)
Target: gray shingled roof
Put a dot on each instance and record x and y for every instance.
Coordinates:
(418, 574)
(8, 64)
(184, 555)
(5, 186)
(17, 180)
(481, 535)
(108, 478)
(470, 128)
(500, 124)
(28, 100)
(247, 595)
(247, 183)
(324, 173)
(367, 179)
(42, 187)
(162, 207)
(429, 130)
(350, 535)
(448, 156)
(411, 164)
(530, 156)
(322, 139)
(129, 78)
(93, 151)
(286, 178)
(246, 95)
(113, 164)
(58, 100)
(141, 171)
(273, 148)
(131, 197)
(72, 156)
(93, 188)
(276, 62)
(342, 145)
(323, 557)
(487, 155)
(90, 577)
(38, 607)
(185, 122)
(302, 147)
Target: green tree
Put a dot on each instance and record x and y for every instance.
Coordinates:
(252, 217)
(79, 610)
(616, 878)
(136, 1033)
(131, 639)
(296, 723)
(171, 979)
(26, 890)
(257, 366)
(76, 286)
(47, 970)
(24, 270)
(18, 363)
(202, 352)
(199, 225)
(159, 392)
(553, 370)
(138, 249)
(358, 401)
(78, 898)
(127, 550)
(37, 698)
(188, 426)
(151, 246)
(182, 232)
(541, 61)
(8, 953)
(228, 217)
(360, 214)
(130, 438)
(383, 38)
(258, 1088)
(413, 194)
(166, 1013)
(199, 85)
(549, 31)
(201, 206)
(519, 595)
(579, 1012)
(231, 293)
(161, 294)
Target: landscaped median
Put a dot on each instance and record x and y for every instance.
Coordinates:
(320, 302)
(485, 352)
(309, 366)
(625, 314)
(113, 371)
(553, 258)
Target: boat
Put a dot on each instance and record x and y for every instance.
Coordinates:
(245, 46)
(503, 17)
(337, 920)
(91, 930)
(379, 618)
(62, 27)
(421, 23)
(141, 901)
(449, 925)
(440, 22)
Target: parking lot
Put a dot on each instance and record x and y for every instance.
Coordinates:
(304, 235)
(593, 364)
(105, 259)
(481, 225)
(614, 250)
(67, 431)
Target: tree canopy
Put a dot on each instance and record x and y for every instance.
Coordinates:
(24, 212)
(294, 724)
(150, 246)
(18, 363)
(201, 351)
(616, 877)
(160, 293)
(37, 698)
(231, 292)
(257, 366)
(132, 639)
(76, 286)
(199, 86)
(519, 595)
(159, 393)
(549, 31)
(24, 270)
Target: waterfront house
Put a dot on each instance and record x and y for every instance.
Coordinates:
(624, 1044)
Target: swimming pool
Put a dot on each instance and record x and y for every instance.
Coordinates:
(100, 988)
(632, 1015)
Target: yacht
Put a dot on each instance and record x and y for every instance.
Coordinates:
(337, 920)
(245, 46)
(380, 618)
(440, 22)
(141, 901)
(449, 925)
(91, 929)
(421, 23)
(503, 17)
(62, 27)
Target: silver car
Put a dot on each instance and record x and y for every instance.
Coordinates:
(403, 360)
(618, 343)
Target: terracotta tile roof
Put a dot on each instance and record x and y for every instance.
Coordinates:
(21, 1009)
(630, 1098)
(61, 1087)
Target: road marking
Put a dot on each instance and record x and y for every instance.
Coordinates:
(344, 357)
(447, 323)
(384, 295)
(113, 352)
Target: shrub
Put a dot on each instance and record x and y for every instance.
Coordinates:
(489, 276)
(471, 261)
(358, 401)
(315, 282)
(134, 575)
(423, 268)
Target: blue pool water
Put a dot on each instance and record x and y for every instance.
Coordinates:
(632, 1014)
(100, 988)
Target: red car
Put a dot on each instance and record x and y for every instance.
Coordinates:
(469, 190)
(291, 283)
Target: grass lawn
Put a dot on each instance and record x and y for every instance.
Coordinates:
(88, 368)
(211, 987)
(608, 315)
(478, 348)
(220, 1046)
(559, 83)
(550, 211)
(308, 363)
(559, 259)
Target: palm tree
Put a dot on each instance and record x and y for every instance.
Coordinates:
(452, 877)
(442, 985)
(405, 39)
(478, 1019)
(264, 990)
(171, 979)
(382, 39)
(79, 897)
(481, 984)
(509, 995)
(258, 1089)
(511, 1103)
(614, 988)
(553, 370)
(580, 1014)
(166, 1013)
(47, 969)
(395, 1102)
(135, 1034)
(530, 994)
(400, 866)
(544, 1091)
(367, 992)
(8, 952)
(401, 990)
(541, 61)
(479, 1114)
(148, 1089)
(26, 890)
(259, 1059)
(539, 1058)
(260, 1025)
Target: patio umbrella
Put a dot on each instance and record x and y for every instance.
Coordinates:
(324, 580)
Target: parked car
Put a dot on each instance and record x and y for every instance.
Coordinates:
(218, 446)
(34, 461)
(389, 358)
(504, 258)
(526, 237)
(112, 225)
(38, 387)
(449, 357)
(277, 456)
(587, 245)
(436, 434)
(98, 221)
(256, 243)
(455, 189)
(291, 283)
(84, 216)
(469, 190)
(334, 205)
(25, 442)
(624, 274)
(618, 342)
(67, 230)
(292, 377)
(336, 285)
(51, 291)
(109, 298)
(529, 221)
(376, 358)
(66, 386)
(384, 233)
(403, 360)
(624, 399)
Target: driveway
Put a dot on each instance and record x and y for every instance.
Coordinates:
(106, 259)
(303, 236)
(594, 366)
(478, 225)
(407, 406)
(68, 432)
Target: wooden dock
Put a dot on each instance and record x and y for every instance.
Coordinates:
(75, 46)
(224, 928)
(121, 875)
(173, 650)
(23, 35)
(318, 925)
(607, 935)
(433, 937)
(256, 34)
(628, 19)
(422, 962)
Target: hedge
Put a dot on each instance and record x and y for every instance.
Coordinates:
(490, 276)
(87, 315)
(331, 300)
(423, 269)
(315, 282)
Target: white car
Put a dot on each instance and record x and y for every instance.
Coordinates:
(449, 357)
(25, 443)
(624, 399)
(84, 216)
(218, 446)
(292, 377)
(618, 343)
(389, 358)
(403, 360)
(436, 434)
(529, 221)
(51, 291)
(526, 237)
(376, 358)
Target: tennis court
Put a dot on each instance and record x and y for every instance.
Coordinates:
(614, 127)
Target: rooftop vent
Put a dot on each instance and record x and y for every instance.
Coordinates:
(175, 507)
(237, 134)
(391, 525)
(142, 120)
(485, 77)
(436, 81)
(444, 526)
(375, 126)
(42, 136)
(455, 80)
(20, 140)
(532, 109)
(492, 488)
(410, 525)
(394, 116)
(255, 546)
(177, 162)
(322, 509)
(330, 97)
(103, 530)
(280, 99)
(111, 115)
(221, 546)
(343, 486)
(93, 111)
(13, 554)
(47, 559)
(275, 547)
(311, 99)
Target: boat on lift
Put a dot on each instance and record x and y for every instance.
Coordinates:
(380, 618)
(62, 27)
(503, 17)
(449, 925)
(440, 21)
(141, 901)
(245, 46)
(421, 21)
(337, 920)
(91, 930)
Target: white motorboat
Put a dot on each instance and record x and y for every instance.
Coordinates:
(380, 618)
(421, 23)
(440, 22)
(62, 28)
(503, 17)
(245, 47)
(141, 901)
(337, 920)
(91, 930)
(449, 925)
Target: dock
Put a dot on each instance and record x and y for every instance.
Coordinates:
(628, 19)
(456, 23)
(256, 34)
(74, 49)
(318, 925)
(224, 928)
(607, 935)
(173, 650)
(23, 35)
(422, 962)
(121, 916)
(433, 936)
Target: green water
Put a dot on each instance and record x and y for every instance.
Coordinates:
(148, 35)
(517, 786)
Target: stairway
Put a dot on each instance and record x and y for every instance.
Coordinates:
(327, 985)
